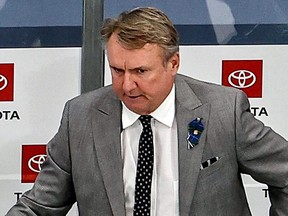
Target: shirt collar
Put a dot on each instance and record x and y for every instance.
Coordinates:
(164, 113)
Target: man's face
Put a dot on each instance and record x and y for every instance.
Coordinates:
(140, 77)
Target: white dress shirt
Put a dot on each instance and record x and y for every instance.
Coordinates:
(164, 192)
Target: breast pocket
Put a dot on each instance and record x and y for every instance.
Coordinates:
(211, 165)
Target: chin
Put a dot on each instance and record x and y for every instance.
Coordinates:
(138, 110)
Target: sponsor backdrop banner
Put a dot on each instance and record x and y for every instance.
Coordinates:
(260, 71)
(34, 85)
(40, 55)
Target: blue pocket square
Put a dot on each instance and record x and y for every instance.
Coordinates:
(209, 162)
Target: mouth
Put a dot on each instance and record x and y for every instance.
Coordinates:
(134, 97)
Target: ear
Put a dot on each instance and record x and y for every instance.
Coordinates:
(173, 63)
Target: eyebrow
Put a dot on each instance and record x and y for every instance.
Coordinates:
(132, 69)
(138, 68)
(116, 68)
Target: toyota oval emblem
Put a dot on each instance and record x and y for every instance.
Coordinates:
(242, 79)
(3, 82)
(35, 162)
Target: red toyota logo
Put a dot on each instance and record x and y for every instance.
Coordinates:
(243, 74)
(6, 82)
(33, 156)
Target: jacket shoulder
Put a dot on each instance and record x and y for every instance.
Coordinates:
(93, 98)
(207, 90)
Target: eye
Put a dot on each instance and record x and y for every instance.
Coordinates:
(141, 71)
(117, 70)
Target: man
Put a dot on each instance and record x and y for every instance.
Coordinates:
(203, 135)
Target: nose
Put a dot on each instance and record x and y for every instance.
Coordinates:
(129, 83)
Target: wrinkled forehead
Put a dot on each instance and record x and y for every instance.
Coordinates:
(116, 49)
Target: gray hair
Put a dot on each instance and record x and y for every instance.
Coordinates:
(139, 26)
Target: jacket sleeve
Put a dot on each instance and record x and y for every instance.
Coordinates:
(263, 154)
(53, 191)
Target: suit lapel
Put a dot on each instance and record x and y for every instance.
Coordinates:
(188, 108)
(106, 132)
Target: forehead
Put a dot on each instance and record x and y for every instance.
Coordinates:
(116, 52)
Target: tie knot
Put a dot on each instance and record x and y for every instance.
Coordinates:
(145, 119)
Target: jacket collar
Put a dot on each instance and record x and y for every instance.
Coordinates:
(188, 108)
(107, 129)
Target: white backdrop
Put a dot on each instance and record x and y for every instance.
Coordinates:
(44, 79)
(205, 63)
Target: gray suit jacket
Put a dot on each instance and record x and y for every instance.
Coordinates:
(84, 158)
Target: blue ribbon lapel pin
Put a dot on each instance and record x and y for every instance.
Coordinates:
(195, 129)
